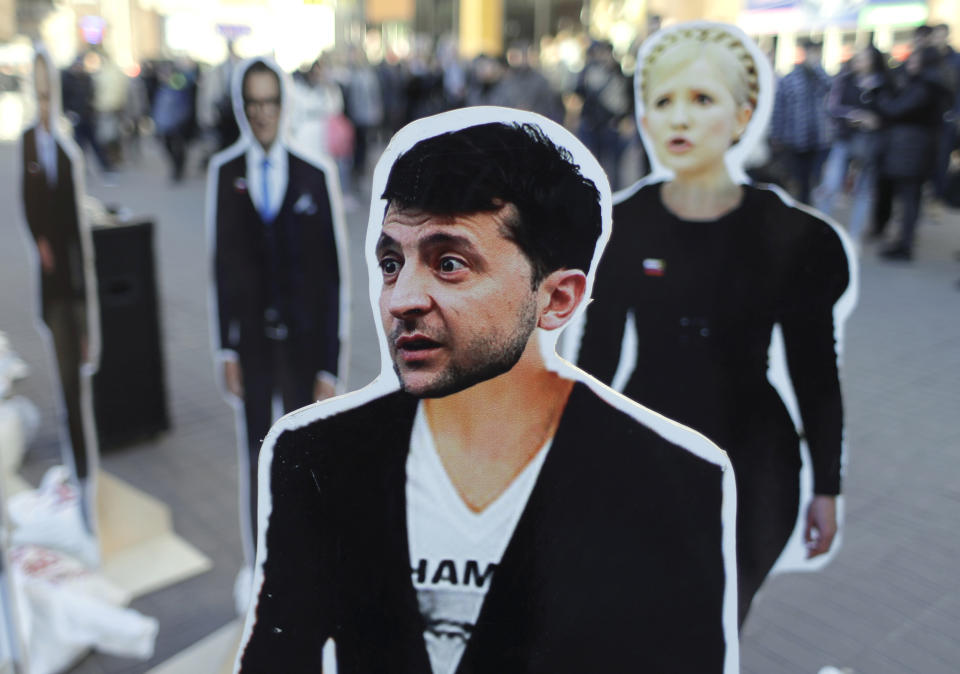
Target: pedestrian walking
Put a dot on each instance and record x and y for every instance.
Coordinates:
(858, 142)
(173, 114)
(949, 135)
(78, 95)
(607, 102)
(912, 115)
(364, 108)
(800, 127)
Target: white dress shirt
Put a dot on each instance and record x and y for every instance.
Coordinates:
(277, 176)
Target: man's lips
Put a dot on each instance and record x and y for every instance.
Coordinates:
(415, 347)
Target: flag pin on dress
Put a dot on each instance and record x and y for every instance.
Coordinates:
(654, 267)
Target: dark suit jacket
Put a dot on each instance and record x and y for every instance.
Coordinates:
(290, 265)
(52, 213)
(614, 566)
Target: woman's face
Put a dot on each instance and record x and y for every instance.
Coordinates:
(692, 118)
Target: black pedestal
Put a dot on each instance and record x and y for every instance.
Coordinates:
(129, 395)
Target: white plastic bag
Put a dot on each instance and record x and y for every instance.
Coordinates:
(65, 610)
(50, 516)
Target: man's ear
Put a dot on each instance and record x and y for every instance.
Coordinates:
(562, 291)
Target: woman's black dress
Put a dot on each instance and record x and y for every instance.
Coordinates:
(705, 296)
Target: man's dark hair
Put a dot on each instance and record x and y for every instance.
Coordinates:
(259, 66)
(922, 32)
(480, 168)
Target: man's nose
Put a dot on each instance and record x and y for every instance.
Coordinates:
(410, 293)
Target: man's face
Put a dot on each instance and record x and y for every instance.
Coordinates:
(261, 103)
(457, 301)
(811, 56)
(42, 86)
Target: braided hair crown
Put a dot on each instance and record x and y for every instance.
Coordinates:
(747, 79)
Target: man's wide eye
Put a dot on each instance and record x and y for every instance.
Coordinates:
(451, 264)
(389, 266)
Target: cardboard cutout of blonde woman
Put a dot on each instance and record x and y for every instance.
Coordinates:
(52, 182)
(484, 506)
(704, 270)
(279, 292)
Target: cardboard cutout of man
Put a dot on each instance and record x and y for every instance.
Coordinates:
(275, 223)
(52, 189)
(708, 270)
(484, 506)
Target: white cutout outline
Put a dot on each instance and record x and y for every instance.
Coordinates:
(387, 382)
(332, 179)
(793, 556)
(58, 130)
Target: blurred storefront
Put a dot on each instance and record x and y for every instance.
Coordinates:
(843, 25)
(126, 30)
(295, 31)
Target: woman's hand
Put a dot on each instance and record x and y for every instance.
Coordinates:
(821, 525)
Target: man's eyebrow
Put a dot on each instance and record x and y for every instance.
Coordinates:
(384, 242)
(445, 239)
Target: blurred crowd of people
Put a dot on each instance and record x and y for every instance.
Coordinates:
(343, 103)
(881, 131)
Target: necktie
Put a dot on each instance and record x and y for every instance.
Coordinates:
(48, 158)
(265, 210)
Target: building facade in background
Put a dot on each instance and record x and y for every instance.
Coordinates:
(296, 31)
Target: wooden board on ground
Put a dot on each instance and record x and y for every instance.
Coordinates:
(214, 653)
(140, 551)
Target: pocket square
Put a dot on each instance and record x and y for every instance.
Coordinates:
(305, 205)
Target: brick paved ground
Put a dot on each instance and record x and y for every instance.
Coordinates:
(890, 602)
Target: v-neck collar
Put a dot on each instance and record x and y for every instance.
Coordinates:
(474, 525)
(518, 548)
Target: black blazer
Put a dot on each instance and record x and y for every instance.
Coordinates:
(52, 213)
(291, 265)
(615, 565)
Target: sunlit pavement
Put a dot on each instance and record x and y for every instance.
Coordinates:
(889, 602)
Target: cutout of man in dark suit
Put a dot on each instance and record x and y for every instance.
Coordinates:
(52, 165)
(490, 508)
(276, 270)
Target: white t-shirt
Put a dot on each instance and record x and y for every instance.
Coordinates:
(453, 550)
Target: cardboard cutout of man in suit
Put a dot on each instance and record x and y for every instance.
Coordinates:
(275, 243)
(52, 189)
(485, 506)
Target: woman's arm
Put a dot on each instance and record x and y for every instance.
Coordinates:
(811, 329)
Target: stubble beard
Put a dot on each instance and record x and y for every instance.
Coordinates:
(485, 357)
